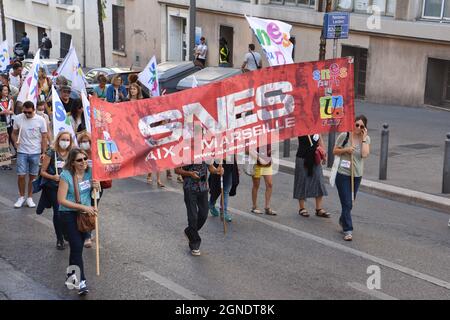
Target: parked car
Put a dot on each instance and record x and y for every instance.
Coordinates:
(91, 76)
(207, 76)
(50, 65)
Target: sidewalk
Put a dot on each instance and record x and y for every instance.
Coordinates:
(416, 153)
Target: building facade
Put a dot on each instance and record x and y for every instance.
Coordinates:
(401, 47)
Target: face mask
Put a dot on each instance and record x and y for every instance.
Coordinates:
(64, 144)
(85, 146)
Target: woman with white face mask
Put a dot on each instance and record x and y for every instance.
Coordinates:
(52, 165)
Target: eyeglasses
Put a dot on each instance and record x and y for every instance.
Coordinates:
(81, 160)
(360, 126)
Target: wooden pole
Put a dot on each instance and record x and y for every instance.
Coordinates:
(97, 245)
(353, 172)
(222, 204)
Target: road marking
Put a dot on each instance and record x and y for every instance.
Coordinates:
(41, 220)
(334, 245)
(375, 293)
(169, 284)
(6, 202)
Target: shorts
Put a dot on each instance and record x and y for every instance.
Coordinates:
(28, 164)
(262, 171)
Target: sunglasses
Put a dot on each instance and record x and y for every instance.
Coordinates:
(27, 112)
(360, 126)
(81, 160)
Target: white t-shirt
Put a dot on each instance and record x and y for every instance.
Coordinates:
(31, 133)
(251, 65)
(202, 49)
(14, 80)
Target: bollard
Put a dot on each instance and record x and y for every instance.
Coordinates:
(384, 151)
(446, 175)
(331, 142)
(287, 148)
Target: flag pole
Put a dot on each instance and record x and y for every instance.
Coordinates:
(353, 173)
(222, 202)
(97, 246)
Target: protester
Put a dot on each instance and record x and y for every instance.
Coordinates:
(6, 115)
(76, 178)
(195, 189)
(308, 180)
(252, 60)
(50, 173)
(68, 102)
(15, 75)
(14, 91)
(200, 53)
(84, 142)
(230, 183)
(44, 86)
(100, 90)
(116, 92)
(263, 168)
(77, 117)
(30, 137)
(134, 92)
(224, 54)
(25, 42)
(46, 45)
(358, 144)
(40, 111)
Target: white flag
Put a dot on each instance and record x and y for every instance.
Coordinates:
(194, 82)
(86, 111)
(4, 56)
(61, 122)
(29, 90)
(70, 68)
(273, 36)
(149, 77)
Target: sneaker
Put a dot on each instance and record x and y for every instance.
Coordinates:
(196, 252)
(30, 203)
(83, 289)
(227, 217)
(19, 202)
(88, 243)
(60, 245)
(214, 211)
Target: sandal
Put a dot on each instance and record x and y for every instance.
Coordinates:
(169, 175)
(348, 237)
(257, 211)
(322, 213)
(180, 179)
(270, 212)
(303, 212)
(149, 180)
(160, 185)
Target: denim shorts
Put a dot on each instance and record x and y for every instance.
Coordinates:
(28, 164)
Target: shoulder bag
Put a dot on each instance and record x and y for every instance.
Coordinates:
(85, 221)
(336, 163)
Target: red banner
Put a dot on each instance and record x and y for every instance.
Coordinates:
(221, 118)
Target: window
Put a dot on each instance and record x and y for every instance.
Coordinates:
(386, 7)
(19, 29)
(118, 23)
(295, 2)
(66, 2)
(40, 34)
(65, 39)
(436, 9)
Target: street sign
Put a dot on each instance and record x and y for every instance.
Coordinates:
(336, 25)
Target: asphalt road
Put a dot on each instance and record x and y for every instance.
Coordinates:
(144, 254)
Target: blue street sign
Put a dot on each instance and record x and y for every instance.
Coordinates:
(336, 25)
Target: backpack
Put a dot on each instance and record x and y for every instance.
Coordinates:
(48, 43)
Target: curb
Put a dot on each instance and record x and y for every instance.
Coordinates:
(387, 191)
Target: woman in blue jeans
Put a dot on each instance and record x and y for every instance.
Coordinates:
(76, 170)
(358, 144)
(50, 173)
